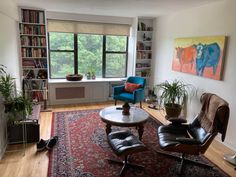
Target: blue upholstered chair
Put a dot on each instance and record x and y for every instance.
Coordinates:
(136, 96)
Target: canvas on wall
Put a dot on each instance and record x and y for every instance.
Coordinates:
(201, 56)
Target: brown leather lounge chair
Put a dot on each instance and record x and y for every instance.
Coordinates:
(196, 137)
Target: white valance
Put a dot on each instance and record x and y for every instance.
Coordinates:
(88, 27)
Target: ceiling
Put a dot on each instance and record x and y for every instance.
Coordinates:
(124, 8)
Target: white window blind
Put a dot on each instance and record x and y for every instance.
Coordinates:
(88, 27)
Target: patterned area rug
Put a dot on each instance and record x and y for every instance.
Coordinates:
(82, 150)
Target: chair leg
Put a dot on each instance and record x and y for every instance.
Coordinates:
(126, 164)
(115, 102)
(181, 164)
(183, 159)
(141, 104)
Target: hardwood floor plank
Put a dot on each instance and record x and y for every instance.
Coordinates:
(35, 164)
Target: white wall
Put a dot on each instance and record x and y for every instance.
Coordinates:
(214, 19)
(8, 55)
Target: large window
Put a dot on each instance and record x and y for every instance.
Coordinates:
(90, 54)
(104, 55)
(61, 54)
(116, 56)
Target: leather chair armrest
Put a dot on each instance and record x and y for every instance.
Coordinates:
(118, 89)
(177, 121)
(188, 141)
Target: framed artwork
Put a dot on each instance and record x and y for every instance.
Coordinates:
(201, 56)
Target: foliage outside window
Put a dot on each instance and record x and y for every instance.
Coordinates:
(104, 55)
(61, 54)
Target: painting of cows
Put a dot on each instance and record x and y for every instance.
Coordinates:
(201, 56)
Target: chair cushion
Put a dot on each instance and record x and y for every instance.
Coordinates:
(130, 87)
(171, 135)
(128, 97)
(125, 143)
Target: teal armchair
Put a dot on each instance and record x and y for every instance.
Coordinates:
(119, 92)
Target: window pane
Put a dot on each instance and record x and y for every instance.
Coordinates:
(61, 64)
(61, 41)
(90, 54)
(115, 65)
(116, 43)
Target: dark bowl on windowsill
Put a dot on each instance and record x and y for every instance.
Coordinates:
(74, 77)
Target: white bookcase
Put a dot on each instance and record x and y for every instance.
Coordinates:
(144, 48)
(33, 41)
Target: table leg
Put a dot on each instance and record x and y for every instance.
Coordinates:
(140, 131)
(108, 129)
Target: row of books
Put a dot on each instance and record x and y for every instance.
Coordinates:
(32, 29)
(29, 52)
(36, 96)
(143, 27)
(34, 63)
(142, 46)
(34, 85)
(141, 65)
(35, 74)
(33, 41)
(144, 55)
(144, 73)
(32, 16)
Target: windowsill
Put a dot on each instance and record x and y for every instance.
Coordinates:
(84, 80)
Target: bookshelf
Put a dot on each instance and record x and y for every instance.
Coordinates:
(33, 44)
(144, 48)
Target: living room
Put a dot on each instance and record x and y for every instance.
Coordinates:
(171, 20)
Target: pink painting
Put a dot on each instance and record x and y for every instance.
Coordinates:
(201, 56)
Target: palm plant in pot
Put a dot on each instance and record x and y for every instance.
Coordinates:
(16, 104)
(173, 95)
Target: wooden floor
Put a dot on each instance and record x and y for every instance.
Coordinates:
(33, 164)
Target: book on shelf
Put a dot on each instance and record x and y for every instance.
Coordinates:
(33, 52)
(34, 63)
(32, 29)
(34, 84)
(29, 73)
(32, 16)
(141, 65)
(33, 41)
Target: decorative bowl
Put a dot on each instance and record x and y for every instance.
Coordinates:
(74, 77)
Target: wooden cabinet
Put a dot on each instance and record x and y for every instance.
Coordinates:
(33, 42)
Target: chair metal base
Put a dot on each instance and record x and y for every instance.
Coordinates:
(231, 158)
(183, 159)
(125, 164)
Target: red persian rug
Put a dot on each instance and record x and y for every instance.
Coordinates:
(82, 150)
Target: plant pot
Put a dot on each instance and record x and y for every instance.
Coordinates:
(172, 110)
(15, 133)
(8, 106)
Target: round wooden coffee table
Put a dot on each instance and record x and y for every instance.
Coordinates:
(113, 116)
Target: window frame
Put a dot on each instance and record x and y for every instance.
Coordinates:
(75, 51)
(113, 52)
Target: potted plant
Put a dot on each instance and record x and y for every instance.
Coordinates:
(17, 106)
(6, 88)
(173, 95)
(14, 103)
(89, 75)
